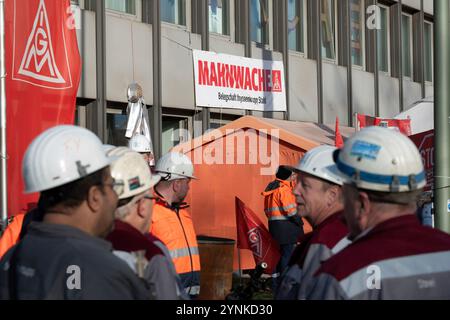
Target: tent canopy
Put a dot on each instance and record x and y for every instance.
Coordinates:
(239, 160)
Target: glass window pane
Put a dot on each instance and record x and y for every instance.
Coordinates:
(260, 21)
(295, 25)
(383, 41)
(126, 6)
(218, 16)
(428, 52)
(173, 11)
(406, 46)
(328, 29)
(357, 21)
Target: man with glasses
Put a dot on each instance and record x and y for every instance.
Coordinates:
(172, 223)
(145, 254)
(64, 256)
(392, 256)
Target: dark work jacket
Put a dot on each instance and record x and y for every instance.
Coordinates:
(59, 262)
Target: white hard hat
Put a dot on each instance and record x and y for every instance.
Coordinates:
(139, 143)
(319, 162)
(174, 165)
(61, 155)
(380, 159)
(131, 173)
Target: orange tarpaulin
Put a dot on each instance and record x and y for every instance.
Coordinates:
(239, 160)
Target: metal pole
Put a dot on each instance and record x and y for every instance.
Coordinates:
(319, 62)
(442, 113)
(100, 40)
(156, 110)
(206, 112)
(3, 151)
(349, 62)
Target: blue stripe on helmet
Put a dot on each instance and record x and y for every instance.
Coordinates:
(377, 178)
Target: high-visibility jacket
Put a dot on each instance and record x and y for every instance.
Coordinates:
(280, 208)
(12, 233)
(173, 226)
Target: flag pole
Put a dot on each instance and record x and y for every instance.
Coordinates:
(3, 151)
(239, 266)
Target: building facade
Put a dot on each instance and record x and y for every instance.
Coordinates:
(340, 57)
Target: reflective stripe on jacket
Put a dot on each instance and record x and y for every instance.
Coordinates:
(280, 204)
(174, 227)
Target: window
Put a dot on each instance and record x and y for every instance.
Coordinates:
(383, 40)
(428, 51)
(125, 6)
(327, 20)
(357, 31)
(219, 12)
(173, 11)
(260, 21)
(406, 45)
(296, 25)
(116, 127)
(174, 132)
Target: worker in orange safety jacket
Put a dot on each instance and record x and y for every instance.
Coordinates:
(172, 223)
(285, 225)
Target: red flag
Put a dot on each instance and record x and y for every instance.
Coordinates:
(403, 125)
(254, 236)
(338, 141)
(43, 72)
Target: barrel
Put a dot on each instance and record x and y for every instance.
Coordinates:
(216, 260)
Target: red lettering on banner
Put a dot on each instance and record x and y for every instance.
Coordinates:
(267, 80)
(221, 81)
(254, 80)
(213, 76)
(248, 81)
(239, 77)
(262, 82)
(229, 78)
(203, 73)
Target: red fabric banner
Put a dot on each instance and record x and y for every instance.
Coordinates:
(338, 140)
(425, 143)
(403, 125)
(43, 72)
(253, 235)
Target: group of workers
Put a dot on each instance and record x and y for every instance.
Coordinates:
(109, 226)
(366, 242)
(106, 225)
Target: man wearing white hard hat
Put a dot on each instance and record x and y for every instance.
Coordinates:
(64, 256)
(392, 256)
(143, 253)
(142, 145)
(319, 200)
(172, 223)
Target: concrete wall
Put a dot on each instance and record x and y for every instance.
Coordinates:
(389, 97)
(412, 91)
(87, 47)
(302, 88)
(334, 93)
(177, 66)
(363, 88)
(128, 58)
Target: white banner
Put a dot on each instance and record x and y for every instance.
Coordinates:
(226, 81)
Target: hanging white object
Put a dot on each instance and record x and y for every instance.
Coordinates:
(138, 121)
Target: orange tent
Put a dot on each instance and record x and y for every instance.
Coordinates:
(239, 160)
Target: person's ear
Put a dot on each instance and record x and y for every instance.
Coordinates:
(364, 209)
(141, 209)
(94, 198)
(332, 195)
